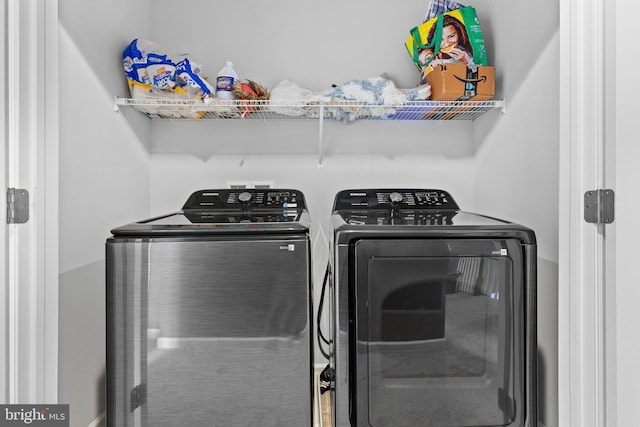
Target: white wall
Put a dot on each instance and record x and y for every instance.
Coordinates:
(104, 182)
(517, 178)
(517, 158)
(315, 44)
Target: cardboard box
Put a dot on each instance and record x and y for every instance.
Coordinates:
(459, 82)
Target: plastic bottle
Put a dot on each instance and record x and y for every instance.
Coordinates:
(224, 82)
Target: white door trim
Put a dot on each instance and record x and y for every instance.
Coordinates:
(4, 303)
(31, 282)
(582, 333)
(20, 301)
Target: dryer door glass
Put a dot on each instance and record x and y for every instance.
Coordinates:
(439, 333)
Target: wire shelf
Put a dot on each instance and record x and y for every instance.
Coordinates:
(338, 110)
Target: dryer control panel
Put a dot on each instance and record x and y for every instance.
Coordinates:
(245, 199)
(377, 199)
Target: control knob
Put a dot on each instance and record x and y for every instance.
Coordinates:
(245, 197)
(395, 198)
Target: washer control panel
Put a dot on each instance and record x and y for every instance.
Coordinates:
(376, 199)
(245, 199)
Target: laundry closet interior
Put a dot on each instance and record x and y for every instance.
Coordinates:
(116, 165)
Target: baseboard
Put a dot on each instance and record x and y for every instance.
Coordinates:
(100, 421)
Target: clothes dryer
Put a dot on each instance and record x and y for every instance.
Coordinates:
(209, 314)
(433, 313)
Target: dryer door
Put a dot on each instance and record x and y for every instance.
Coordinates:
(439, 333)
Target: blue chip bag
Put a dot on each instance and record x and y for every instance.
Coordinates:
(187, 73)
(146, 64)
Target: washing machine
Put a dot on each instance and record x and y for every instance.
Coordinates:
(209, 314)
(433, 313)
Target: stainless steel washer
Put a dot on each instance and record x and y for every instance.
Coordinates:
(209, 314)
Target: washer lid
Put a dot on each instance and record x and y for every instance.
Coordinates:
(229, 211)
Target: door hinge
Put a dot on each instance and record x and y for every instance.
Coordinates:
(17, 206)
(599, 206)
(138, 396)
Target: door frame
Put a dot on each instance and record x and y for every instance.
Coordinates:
(30, 155)
(4, 306)
(586, 333)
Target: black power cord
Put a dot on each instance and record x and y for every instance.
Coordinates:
(322, 340)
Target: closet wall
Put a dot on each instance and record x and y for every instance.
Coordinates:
(104, 181)
(517, 159)
(120, 167)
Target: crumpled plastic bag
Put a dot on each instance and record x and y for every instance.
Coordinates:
(355, 99)
(290, 99)
(374, 97)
